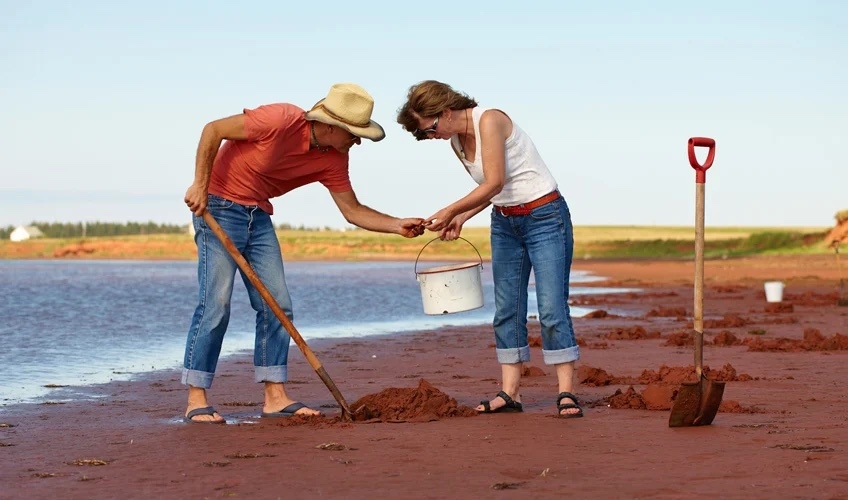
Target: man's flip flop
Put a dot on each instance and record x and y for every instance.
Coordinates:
(288, 411)
(207, 410)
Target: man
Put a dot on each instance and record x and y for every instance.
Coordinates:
(270, 151)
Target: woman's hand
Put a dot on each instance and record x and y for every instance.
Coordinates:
(439, 220)
(451, 232)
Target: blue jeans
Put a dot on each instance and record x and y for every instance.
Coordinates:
(543, 241)
(252, 232)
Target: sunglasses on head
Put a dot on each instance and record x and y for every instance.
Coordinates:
(423, 133)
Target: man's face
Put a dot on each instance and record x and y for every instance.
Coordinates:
(342, 140)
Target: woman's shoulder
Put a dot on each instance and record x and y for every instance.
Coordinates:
(494, 117)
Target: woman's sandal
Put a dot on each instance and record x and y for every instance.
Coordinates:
(568, 406)
(511, 406)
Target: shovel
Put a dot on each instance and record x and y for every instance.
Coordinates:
(697, 402)
(278, 311)
(843, 301)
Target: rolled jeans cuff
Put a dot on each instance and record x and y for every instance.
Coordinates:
(274, 374)
(197, 378)
(561, 355)
(513, 355)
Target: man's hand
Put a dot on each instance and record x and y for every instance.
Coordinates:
(195, 199)
(411, 227)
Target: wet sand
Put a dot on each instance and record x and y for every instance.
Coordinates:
(781, 432)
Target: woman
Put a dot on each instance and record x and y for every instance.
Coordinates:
(530, 228)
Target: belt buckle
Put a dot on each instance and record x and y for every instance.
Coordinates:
(514, 210)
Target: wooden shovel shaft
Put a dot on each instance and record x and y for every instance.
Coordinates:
(843, 301)
(698, 319)
(278, 311)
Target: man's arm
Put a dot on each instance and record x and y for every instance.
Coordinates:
(230, 128)
(367, 218)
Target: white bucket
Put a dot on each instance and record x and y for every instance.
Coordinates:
(452, 288)
(774, 291)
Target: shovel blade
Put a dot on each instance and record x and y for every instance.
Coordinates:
(696, 403)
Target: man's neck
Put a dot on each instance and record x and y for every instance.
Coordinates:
(314, 143)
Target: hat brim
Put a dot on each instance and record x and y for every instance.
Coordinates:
(373, 131)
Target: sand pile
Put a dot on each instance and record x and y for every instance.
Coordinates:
(420, 404)
(632, 333)
(660, 386)
(813, 341)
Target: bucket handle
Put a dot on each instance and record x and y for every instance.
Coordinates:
(434, 239)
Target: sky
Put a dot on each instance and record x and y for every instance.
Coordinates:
(102, 102)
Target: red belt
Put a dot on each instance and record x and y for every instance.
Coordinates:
(526, 208)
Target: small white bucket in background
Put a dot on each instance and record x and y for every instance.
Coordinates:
(452, 288)
(774, 291)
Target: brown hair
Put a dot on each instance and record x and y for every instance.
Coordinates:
(428, 99)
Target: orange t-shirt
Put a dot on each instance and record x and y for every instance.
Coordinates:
(274, 159)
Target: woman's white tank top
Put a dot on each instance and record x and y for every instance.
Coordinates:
(527, 176)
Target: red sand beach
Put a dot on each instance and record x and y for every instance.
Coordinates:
(781, 431)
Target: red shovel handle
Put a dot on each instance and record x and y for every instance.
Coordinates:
(701, 170)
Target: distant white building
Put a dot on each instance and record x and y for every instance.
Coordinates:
(22, 233)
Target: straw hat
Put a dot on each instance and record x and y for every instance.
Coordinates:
(348, 106)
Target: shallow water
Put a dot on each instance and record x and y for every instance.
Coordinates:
(89, 322)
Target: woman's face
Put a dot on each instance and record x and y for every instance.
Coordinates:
(425, 130)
